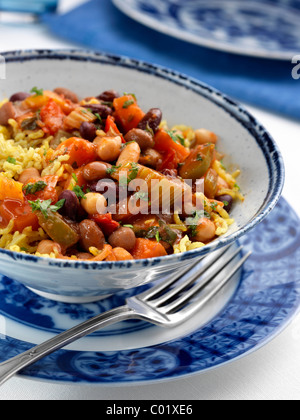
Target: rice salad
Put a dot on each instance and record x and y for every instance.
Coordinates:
(87, 179)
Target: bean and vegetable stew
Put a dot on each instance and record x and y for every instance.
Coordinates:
(101, 179)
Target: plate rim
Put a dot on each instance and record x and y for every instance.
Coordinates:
(186, 36)
(264, 338)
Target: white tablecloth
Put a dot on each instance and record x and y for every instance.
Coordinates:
(271, 373)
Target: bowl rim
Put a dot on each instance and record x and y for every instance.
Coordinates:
(265, 141)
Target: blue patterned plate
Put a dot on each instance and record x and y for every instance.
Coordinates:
(259, 304)
(268, 29)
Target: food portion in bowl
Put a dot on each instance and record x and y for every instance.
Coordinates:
(100, 179)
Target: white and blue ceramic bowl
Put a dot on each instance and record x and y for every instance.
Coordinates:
(183, 101)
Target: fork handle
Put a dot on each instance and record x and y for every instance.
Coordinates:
(17, 363)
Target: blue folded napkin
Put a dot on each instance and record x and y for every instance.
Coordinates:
(265, 83)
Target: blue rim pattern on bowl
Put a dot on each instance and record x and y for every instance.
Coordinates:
(264, 140)
(265, 302)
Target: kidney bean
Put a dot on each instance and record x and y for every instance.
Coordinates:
(108, 96)
(151, 157)
(68, 94)
(7, 111)
(19, 96)
(88, 131)
(29, 173)
(142, 137)
(91, 235)
(102, 110)
(151, 120)
(124, 237)
(71, 205)
(95, 171)
(227, 200)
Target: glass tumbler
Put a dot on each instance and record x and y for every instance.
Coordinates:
(28, 6)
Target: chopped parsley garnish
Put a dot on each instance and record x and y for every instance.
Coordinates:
(214, 205)
(133, 172)
(99, 117)
(177, 138)
(45, 206)
(192, 222)
(157, 236)
(112, 170)
(149, 129)
(78, 191)
(38, 92)
(11, 160)
(128, 103)
(34, 188)
(141, 195)
(130, 94)
(74, 176)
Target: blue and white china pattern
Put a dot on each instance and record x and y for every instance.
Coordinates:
(261, 28)
(267, 299)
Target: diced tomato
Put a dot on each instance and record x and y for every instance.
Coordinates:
(49, 192)
(106, 223)
(21, 213)
(170, 161)
(52, 116)
(127, 112)
(111, 128)
(165, 144)
(36, 102)
(81, 151)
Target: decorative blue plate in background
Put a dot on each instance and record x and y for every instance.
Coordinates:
(268, 29)
(265, 301)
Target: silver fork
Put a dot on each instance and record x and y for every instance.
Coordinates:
(168, 304)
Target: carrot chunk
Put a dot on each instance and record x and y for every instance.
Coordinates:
(147, 248)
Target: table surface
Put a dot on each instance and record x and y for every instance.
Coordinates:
(271, 373)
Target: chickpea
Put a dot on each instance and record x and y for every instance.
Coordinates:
(109, 148)
(204, 136)
(130, 154)
(121, 254)
(95, 171)
(91, 235)
(27, 174)
(205, 230)
(94, 203)
(124, 237)
(46, 247)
